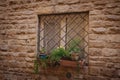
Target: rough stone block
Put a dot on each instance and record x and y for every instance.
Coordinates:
(110, 52)
(107, 38)
(113, 30)
(95, 51)
(95, 71)
(31, 55)
(117, 65)
(44, 10)
(110, 65)
(67, 1)
(62, 8)
(108, 72)
(118, 73)
(81, 7)
(52, 78)
(99, 30)
(97, 63)
(96, 78)
(96, 44)
(115, 79)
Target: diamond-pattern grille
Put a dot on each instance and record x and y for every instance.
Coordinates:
(61, 29)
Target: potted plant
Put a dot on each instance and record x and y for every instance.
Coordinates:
(40, 63)
(57, 54)
(75, 54)
(42, 54)
(74, 49)
(44, 62)
(41, 60)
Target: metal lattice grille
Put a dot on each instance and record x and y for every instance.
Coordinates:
(61, 30)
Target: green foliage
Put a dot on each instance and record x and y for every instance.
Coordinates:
(58, 53)
(36, 66)
(44, 62)
(74, 46)
(42, 50)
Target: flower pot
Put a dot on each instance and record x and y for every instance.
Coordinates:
(68, 63)
(42, 56)
(75, 56)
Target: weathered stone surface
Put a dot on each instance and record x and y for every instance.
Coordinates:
(52, 78)
(95, 36)
(17, 48)
(43, 77)
(97, 63)
(4, 47)
(117, 65)
(44, 10)
(107, 38)
(99, 30)
(67, 1)
(118, 73)
(114, 30)
(96, 23)
(113, 45)
(115, 78)
(95, 71)
(81, 7)
(114, 11)
(62, 8)
(112, 18)
(96, 13)
(102, 2)
(96, 44)
(31, 55)
(29, 59)
(108, 72)
(111, 59)
(110, 52)
(18, 22)
(95, 51)
(96, 78)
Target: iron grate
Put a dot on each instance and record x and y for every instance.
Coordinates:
(61, 30)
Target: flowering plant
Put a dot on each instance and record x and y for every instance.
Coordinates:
(58, 53)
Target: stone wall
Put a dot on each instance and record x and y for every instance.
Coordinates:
(18, 29)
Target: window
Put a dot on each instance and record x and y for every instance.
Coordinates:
(57, 30)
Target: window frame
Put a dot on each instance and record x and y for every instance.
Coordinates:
(39, 22)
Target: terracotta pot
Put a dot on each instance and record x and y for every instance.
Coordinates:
(75, 56)
(68, 63)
